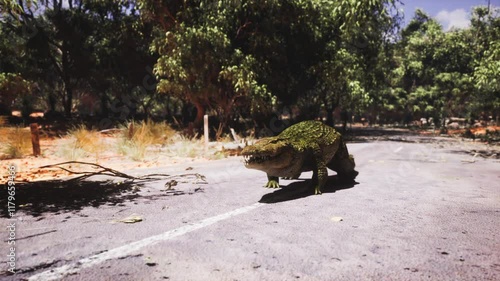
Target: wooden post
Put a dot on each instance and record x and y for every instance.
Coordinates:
(205, 131)
(131, 130)
(235, 137)
(35, 139)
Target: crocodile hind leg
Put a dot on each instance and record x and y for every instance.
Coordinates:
(343, 163)
(319, 179)
(320, 173)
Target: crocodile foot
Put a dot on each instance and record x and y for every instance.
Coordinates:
(272, 184)
(317, 190)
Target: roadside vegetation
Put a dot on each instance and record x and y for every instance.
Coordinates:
(16, 142)
(136, 138)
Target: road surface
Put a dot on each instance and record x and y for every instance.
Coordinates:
(421, 209)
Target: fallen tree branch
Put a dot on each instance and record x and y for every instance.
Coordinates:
(104, 171)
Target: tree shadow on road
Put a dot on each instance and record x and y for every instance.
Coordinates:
(303, 189)
(52, 196)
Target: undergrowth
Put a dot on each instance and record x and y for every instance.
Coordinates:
(16, 142)
(137, 137)
(83, 143)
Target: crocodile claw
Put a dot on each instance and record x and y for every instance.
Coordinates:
(272, 184)
(317, 190)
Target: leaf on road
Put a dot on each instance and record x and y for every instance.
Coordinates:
(337, 219)
(149, 262)
(131, 219)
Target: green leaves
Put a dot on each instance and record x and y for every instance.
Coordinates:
(449, 73)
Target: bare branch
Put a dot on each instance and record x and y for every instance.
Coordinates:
(104, 171)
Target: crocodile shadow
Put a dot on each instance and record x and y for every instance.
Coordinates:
(301, 189)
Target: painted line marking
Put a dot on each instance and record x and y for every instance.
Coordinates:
(65, 270)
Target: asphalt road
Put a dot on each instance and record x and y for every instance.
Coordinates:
(420, 210)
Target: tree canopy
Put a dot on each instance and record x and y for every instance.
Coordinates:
(246, 59)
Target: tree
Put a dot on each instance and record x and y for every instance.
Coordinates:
(96, 48)
(199, 63)
(281, 51)
(434, 69)
(15, 90)
(486, 37)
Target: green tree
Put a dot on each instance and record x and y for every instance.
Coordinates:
(215, 53)
(434, 69)
(97, 48)
(485, 31)
(199, 63)
(14, 90)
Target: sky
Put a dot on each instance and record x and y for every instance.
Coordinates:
(450, 13)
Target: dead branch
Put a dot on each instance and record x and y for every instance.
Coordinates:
(104, 171)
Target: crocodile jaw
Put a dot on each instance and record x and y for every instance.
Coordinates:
(267, 154)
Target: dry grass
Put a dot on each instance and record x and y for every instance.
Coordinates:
(83, 143)
(137, 137)
(186, 147)
(16, 142)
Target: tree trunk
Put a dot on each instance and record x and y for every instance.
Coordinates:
(329, 116)
(200, 112)
(344, 116)
(67, 81)
(330, 108)
(52, 102)
(104, 105)
(69, 100)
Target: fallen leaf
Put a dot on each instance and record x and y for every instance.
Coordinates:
(149, 261)
(337, 219)
(131, 219)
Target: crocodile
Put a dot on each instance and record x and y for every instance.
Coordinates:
(305, 146)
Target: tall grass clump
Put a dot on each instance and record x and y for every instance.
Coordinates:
(83, 143)
(186, 147)
(16, 142)
(136, 137)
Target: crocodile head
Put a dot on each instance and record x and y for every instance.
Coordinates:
(268, 154)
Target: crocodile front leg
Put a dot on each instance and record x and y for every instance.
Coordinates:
(272, 182)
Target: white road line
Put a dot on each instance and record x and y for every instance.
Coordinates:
(65, 270)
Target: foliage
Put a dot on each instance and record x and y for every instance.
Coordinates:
(88, 48)
(199, 63)
(246, 59)
(14, 90)
(447, 74)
